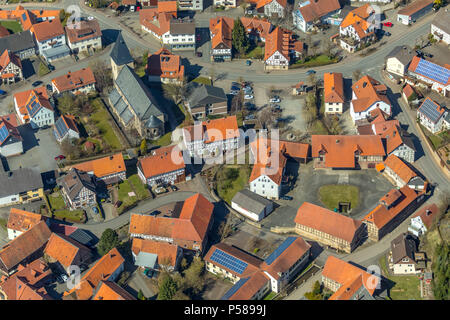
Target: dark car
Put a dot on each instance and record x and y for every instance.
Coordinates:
(60, 157)
(310, 72)
(428, 55)
(52, 68)
(286, 198)
(387, 34)
(49, 87)
(36, 83)
(199, 54)
(2, 92)
(235, 88)
(95, 210)
(173, 188)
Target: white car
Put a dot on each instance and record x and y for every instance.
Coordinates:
(248, 97)
(64, 277)
(275, 100)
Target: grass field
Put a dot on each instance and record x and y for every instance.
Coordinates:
(318, 128)
(320, 60)
(56, 201)
(3, 223)
(228, 186)
(59, 210)
(203, 80)
(12, 26)
(140, 189)
(270, 295)
(332, 194)
(102, 118)
(43, 69)
(405, 288)
(165, 140)
(123, 189)
(256, 53)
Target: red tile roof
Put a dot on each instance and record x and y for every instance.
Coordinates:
(215, 130)
(327, 221)
(3, 32)
(428, 214)
(162, 160)
(166, 252)
(333, 87)
(108, 290)
(221, 29)
(400, 168)
(340, 150)
(104, 167)
(88, 29)
(279, 40)
(8, 57)
(164, 64)
(368, 91)
(21, 220)
(47, 29)
(64, 250)
(381, 215)
(319, 8)
(414, 7)
(251, 286)
(159, 23)
(260, 27)
(74, 80)
(357, 18)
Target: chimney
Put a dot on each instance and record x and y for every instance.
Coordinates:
(111, 157)
(428, 212)
(337, 141)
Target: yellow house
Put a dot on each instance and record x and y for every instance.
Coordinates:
(20, 186)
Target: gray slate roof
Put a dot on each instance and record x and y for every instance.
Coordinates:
(250, 200)
(403, 53)
(442, 20)
(74, 181)
(120, 53)
(20, 180)
(137, 94)
(401, 247)
(17, 42)
(182, 26)
(205, 94)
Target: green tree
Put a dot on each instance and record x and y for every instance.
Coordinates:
(239, 38)
(141, 295)
(441, 272)
(143, 147)
(108, 241)
(167, 289)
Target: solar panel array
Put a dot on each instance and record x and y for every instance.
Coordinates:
(4, 133)
(228, 261)
(433, 71)
(24, 17)
(33, 106)
(61, 127)
(234, 289)
(278, 251)
(429, 109)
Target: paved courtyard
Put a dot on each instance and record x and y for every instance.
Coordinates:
(372, 186)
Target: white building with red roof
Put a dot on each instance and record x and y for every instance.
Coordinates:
(310, 11)
(165, 67)
(33, 106)
(10, 67)
(431, 115)
(277, 53)
(272, 8)
(428, 73)
(51, 39)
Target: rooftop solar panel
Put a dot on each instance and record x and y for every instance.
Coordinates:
(228, 261)
(429, 109)
(278, 251)
(433, 71)
(234, 289)
(4, 133)
(61, 127)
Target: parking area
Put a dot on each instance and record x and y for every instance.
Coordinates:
(372, 186)
(40, 149)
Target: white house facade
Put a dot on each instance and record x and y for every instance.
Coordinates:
(274, 8)
(276, 61)
(266, 187)
(364, 114)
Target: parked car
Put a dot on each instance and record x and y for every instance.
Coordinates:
(275, 100)
(388, 24)
(248, 62)
(235, 88)
(234, 92)
(250, 117)
(52, 67)
(428, 55)
(248, 97)
(60, 157)
(36, 83)
(199, 54)
(286, 198)
(310, 72)
(173, 188)
(387, 34)
(155, 213)
(95, 210)
(2, 92)
(64, 277)
(249, 106)
(160, 190)
(49, 87)
(419, 53)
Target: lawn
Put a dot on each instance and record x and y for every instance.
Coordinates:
(332, 194)
(256, 53)
(58, 208)
(231, 179)
(43, 69)
(270, 296)
(203, 80)
(318, 128)
(124, 188)
(140, 188)
(320, 60)
(165, 140)
(12, 26)
(405, 288)
(3, 223)
(101, 118)
(56, 201)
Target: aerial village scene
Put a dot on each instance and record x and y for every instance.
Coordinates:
(224, 150)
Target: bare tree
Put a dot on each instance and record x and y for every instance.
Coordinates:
(356, 75)
(173, 92)
(265, 118)
(308, 42)
(236, 104)
(103, 75)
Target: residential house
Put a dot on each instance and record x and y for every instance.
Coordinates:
(131, 5)
(225, 3)
(211, 137)
(108, 268)
(398, 60)
(50, 39)
(269, 164)
(22, 185)
(299, 89)
(66, 127)
(404, 257)
(347, 281)
(84, 36)
(440, 26)
(28, 18)
(20, 43)
(78, 189)
(190, 5)
(120, 56)
(34, 107)
(333, 94)
(402, 174)
(253, 278)
(77, 234)
(165, 67)
(430, 74)
(135, 105)
(163, 166)
(423, 220)
(310, 13)
(156, 255)
(108, 170)
(399, 142)
(414, 11)
(351, 152)
(205, 100)
(257, 29)
(358, 28)
(220, 29)
(431, 115)
(66, 252)
(23, 249)
(163, 23)
(10, 67)
(251, 205)
(80, 81)
(409, 94)
(20, 221)
(27, 283)
(277, 53)
(108, 290)
(10, 137)
(367, 95)
(392, 209)
(328, 227)
(189, 230)
(272, 8)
